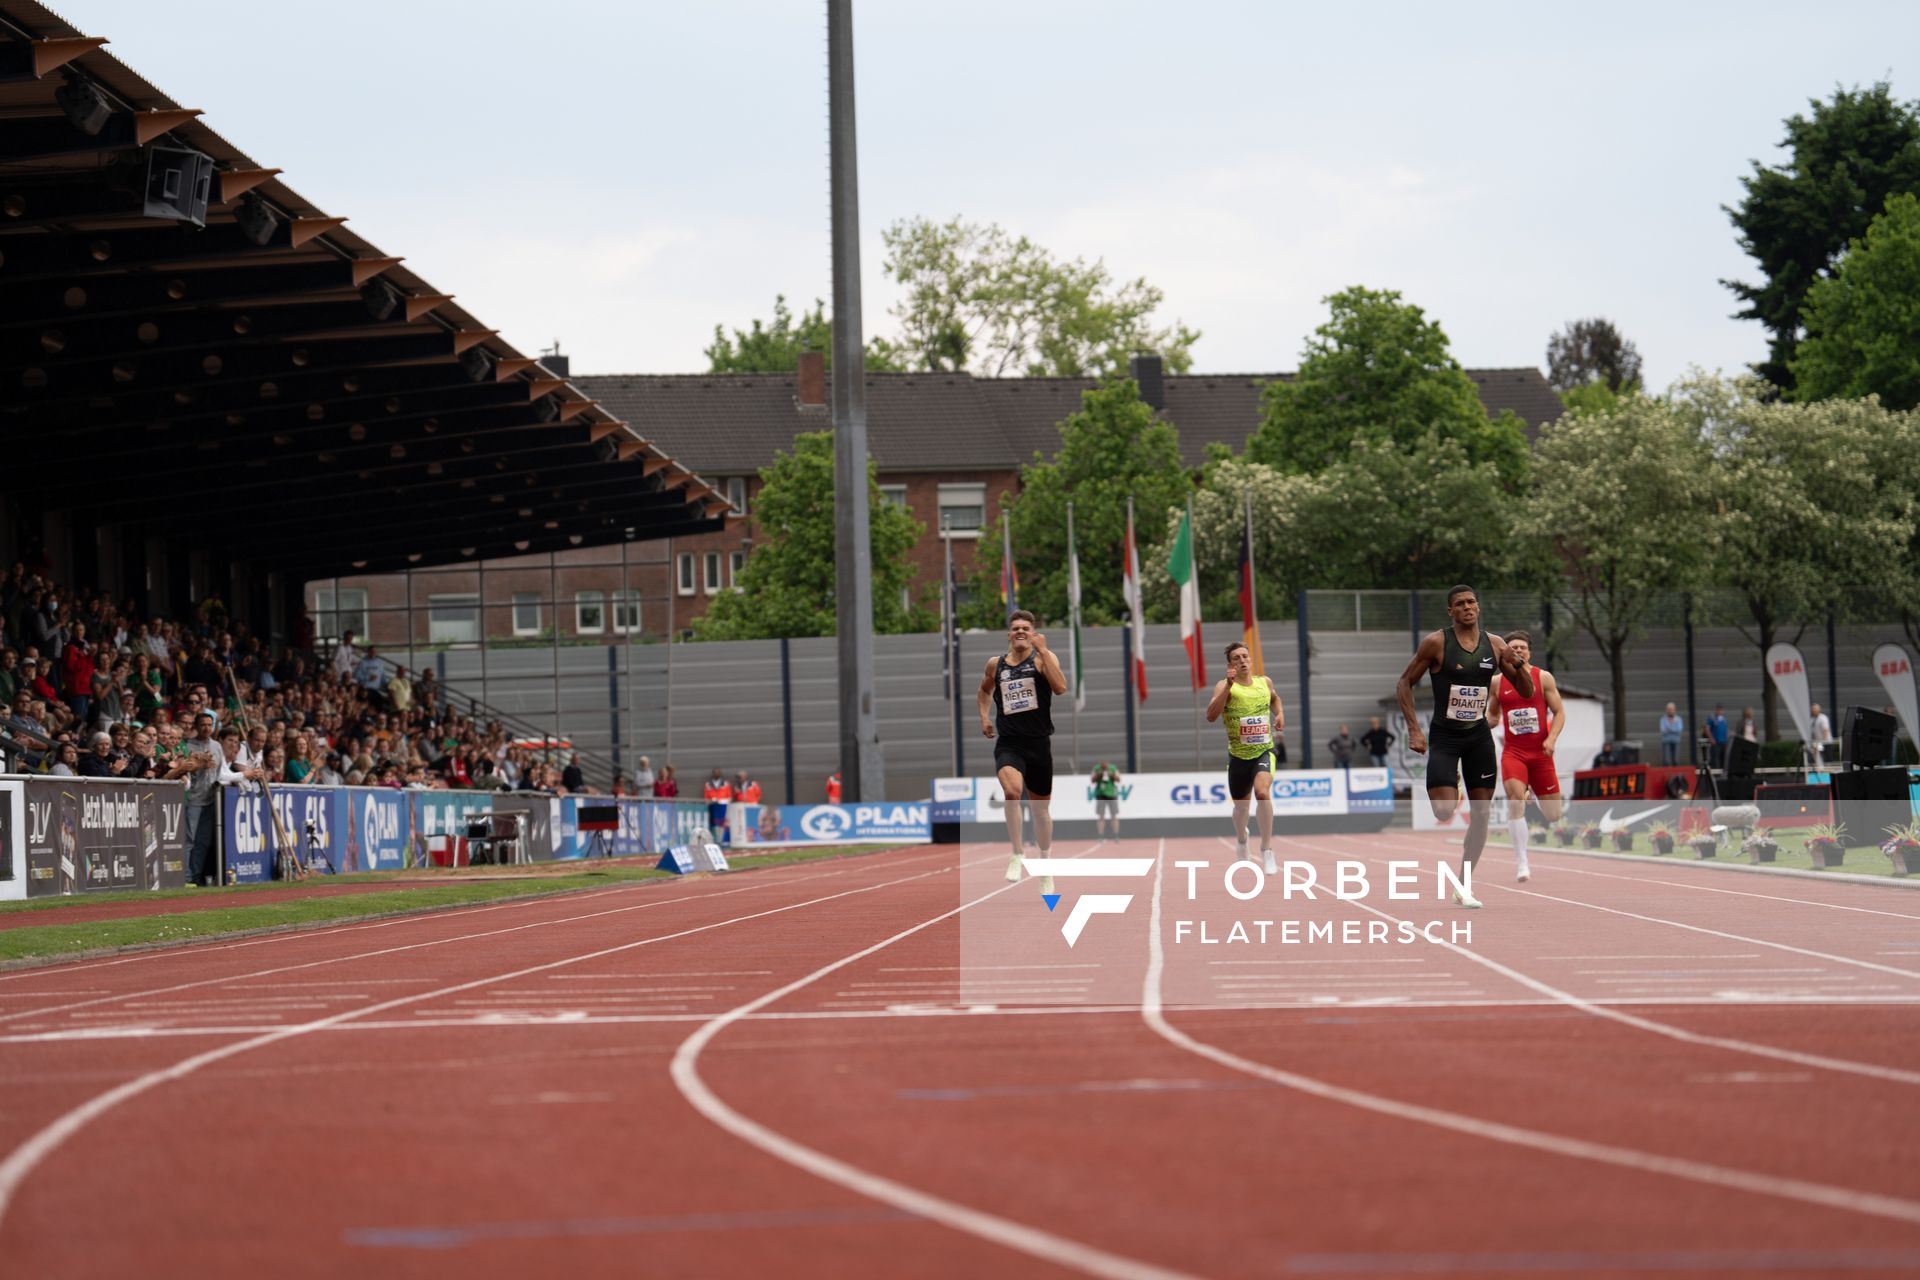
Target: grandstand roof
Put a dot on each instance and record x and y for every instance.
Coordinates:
(284, 372)
(735, 423)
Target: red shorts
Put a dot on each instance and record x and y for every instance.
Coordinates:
(1534, 769)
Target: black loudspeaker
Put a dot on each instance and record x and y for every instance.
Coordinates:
(1743, 754)
(599, 817)
(179, 183)
(1866, 737)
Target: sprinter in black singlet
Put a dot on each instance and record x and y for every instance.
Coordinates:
(1463, 660)
(1016, 711)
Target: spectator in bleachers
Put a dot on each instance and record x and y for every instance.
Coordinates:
(572, 777)
(665, 785)
(299, 764)
(100, 760)
(643, 779)
(9, 675)
(345, 656)
(25, 728)
(370, 673)
(66, 761)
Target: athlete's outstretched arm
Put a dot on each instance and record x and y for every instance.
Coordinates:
(1425, 659)
(1511, 667)
(1218, 703)
(985, 697)
(1556, 709)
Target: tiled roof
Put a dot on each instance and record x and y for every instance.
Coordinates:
(721, 424)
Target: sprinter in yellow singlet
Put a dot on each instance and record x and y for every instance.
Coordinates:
(1255, 720)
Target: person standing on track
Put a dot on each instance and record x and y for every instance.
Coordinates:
(1463, 660)
(1106, 801)
(1532, 727)
(1016, 711)
(718, 793)
(1254, 720)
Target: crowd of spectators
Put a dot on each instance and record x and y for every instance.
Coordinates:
(95, 688)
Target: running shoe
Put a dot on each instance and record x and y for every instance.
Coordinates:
(1521, 873)
(1240, 851)
(1466, 900)
(1046, 884)
(1273, 867)
(1013, 868)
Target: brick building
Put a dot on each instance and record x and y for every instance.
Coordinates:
(946, 445)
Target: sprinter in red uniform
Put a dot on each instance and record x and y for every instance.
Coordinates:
(1532, 728)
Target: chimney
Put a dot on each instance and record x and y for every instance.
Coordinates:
(558, 365)
(812, 390)
(1145, 369)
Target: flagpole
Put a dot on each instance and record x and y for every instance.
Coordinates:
(948, 658)
(1193, 570)
(1253, 597)
(1073, 625)
(1009, 590)
(1132, 653)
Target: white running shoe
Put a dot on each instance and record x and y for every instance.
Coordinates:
(1466, 900)
(1240, 851)
(1273, 867)
(1013, 868)
(1521, 873)
(1046, 884)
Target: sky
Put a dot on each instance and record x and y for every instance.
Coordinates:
(621, 176)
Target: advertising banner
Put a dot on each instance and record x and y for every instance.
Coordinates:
(13, 841)
(97, 834)
(315, 821)
(379, 829)
(1296, 793)
(1895, 669)
(778, 824)
(1788, 670)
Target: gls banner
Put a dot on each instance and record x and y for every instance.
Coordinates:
(1296, 792)
(315, 819)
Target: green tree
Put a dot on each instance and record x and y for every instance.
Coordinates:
(775, 347)
(1848, 155)
(787, 587)
(1810, 501)
(1618, 500)
(1111, 448)
(1379, 371)
(1592, 351)
(1379, 517)
(976, 297)
(1863, 322)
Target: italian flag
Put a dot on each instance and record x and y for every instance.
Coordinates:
(1186, 575)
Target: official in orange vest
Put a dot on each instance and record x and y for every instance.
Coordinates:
(833, 788)
(748, 789)
(719, 794)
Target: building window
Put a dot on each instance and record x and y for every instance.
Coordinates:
(737, 494)
(962, 598)
(963, 508)
(895, 493)
(713, 572)
(626, 612)
(526, 613)
(453, 619)
(736, 564)
(589, 612)
(336, 612)
(686, 573)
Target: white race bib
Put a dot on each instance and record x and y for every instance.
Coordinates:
(1523, 720)
(1017, 696)
(1467, 702)
(1256, 731)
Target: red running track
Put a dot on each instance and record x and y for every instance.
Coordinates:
(1633, 1068)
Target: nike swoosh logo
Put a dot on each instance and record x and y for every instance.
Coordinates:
(1609, 824)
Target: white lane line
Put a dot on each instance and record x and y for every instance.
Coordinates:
(228, 979)
(972, 968)
(1675, 924)
(1034, 1241)
(1727, 1043)
(618, 977)
(1865, 1202)
(1560, 868)
(30, 1154)
(1752, 955)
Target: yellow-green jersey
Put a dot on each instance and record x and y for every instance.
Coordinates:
(1249, 718)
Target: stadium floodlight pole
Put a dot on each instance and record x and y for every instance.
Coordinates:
(860, 770)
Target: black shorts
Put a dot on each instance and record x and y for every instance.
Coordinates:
(1033, 757)
(1241, 773)
(1473, 760)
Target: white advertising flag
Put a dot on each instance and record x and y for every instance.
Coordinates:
(1788, 670)
(1895, 669)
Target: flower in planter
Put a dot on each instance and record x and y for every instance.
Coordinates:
(1623, 840)
(1564, 833)
(1590, 835)
(1760, 847)
(1705, 844)
(1662, 838)
(1902, 848)
(1824, 844)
